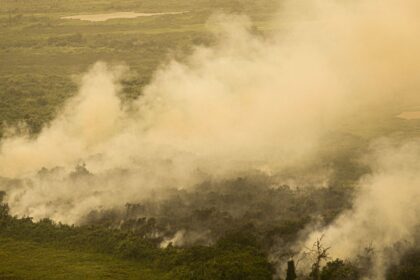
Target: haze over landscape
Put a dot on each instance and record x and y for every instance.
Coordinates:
(210, 140)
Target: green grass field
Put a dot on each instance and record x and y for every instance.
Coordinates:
(28, 260)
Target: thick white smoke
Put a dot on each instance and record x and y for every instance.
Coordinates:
(386, 212)
(249, 102)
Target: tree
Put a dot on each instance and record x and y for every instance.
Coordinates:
(320, 254)
(339, 270)
(291, 270)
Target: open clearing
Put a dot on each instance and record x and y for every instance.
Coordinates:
(118, 15)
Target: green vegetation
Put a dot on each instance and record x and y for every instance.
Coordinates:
(101, 249)
(40, 53)
(41, 58)
(31, 260)
(88, 250)
(408, 268)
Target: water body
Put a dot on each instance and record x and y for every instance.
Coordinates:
(105, 17)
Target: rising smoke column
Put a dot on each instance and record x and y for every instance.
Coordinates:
(385, 214)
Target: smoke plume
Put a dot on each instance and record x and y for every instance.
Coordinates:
(385, 213)
(249, 102)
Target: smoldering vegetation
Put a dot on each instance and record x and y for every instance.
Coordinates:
(279, 137)
(205, 213)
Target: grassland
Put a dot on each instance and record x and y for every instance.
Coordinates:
(40, 53)
(51, 263)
